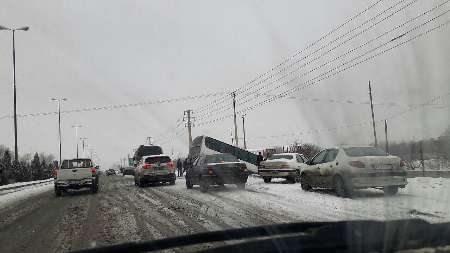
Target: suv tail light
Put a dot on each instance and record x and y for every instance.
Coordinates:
(210, 170)
(243, 167)
(147, 166)
(93, 171)
(357, 164)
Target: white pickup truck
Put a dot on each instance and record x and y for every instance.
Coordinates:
(76, 174)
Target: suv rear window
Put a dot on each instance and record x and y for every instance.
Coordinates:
(160, 159)
(276, 157)
(221, 158)
(364, 151)
(76, 163)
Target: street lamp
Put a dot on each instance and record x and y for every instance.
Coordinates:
(25, 28)
(59, 101)
(76, 135)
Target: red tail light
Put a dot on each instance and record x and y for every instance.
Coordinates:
(55, 173)
(403, 163)
(357, 164)
(147, 166)
(243, 167)
(210, 170)
(93, 171)
(170, 165)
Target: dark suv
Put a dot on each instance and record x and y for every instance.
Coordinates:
(218, 169)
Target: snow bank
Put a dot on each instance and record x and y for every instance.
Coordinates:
(7, 197)
(15, 185)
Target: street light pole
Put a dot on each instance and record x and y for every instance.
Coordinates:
(59, 100)
(16, 150)
(76, 135)
(243, 129)
(83, 139)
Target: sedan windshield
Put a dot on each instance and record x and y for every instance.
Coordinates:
(364, 151)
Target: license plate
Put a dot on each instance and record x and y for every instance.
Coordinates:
(75, 182)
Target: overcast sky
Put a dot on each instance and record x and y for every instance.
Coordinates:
(98, 53)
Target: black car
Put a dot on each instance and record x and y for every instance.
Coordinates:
(218, 169)
(110, 172)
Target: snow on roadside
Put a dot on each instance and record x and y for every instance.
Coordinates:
(7, 197)
(21, 184)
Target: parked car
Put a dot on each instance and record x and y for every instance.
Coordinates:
(154, 168)
(347, 168)
(128, 171)
(76, 174)
(285, 165)
(110, 172)
(218, 169)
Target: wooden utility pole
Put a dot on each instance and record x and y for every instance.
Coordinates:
(386, 134)
(243, 129)
(373, 116)
(233, 94)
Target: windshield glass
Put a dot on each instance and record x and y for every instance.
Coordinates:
(278, 157)
(158, 159)
(194, 116)
(221, 158)
(364, 151)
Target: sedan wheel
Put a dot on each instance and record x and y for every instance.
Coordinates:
(304, 183)
(340, 187)
(204, 186)
(267, 179)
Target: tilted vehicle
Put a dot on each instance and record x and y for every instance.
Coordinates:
(217, 169)
(285, 165)
(348, 168)
(76, 174)
(153, 169)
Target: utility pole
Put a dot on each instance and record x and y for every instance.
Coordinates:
(189, 118)
(233, 94)
(82, 144)
(76, 135)
(243, 129)
(25, 28)
(59, 100)
(373, 116)
(386, 134)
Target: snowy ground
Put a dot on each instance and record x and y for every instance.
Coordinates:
(9, 196)
(122, 212)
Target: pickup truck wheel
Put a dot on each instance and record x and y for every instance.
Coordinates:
(189, 185)
(94, 189)
(267, 179)
(57, 191)
(390, 190)
(305, 184)
(204, 186)
(172, 182)
(297, 176)
(342, 190)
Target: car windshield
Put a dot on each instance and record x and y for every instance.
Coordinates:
(278, 157)
(158, 159)
(364, 151)
(221, 158)
(127, 121)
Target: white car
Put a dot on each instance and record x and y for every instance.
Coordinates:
(285, 165)
(348, 168)
(153, 169)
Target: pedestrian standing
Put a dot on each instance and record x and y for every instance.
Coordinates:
(180, 168)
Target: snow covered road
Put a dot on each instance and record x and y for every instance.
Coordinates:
(36, 221)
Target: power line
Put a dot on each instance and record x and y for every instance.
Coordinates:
(336, 70)
(119, 106)
(317, 50)
(287, 59)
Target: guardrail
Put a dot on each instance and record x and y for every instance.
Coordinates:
(24, 184)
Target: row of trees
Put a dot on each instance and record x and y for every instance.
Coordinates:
(30, 167)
